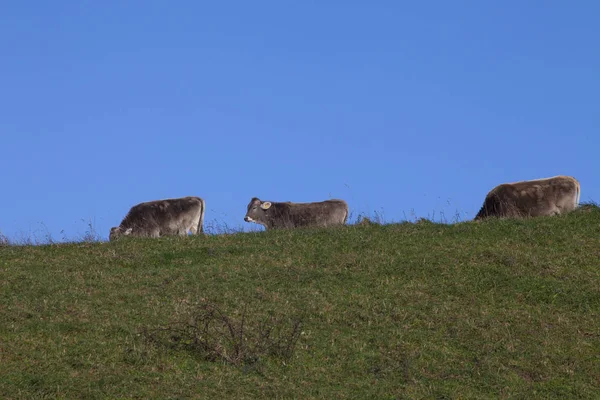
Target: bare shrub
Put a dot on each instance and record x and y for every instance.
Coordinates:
(90, 235)
(216, 227)
(377, 218)
(587, 207)
(207, 331)
(4, 241)
(364, 220)
(423, 221)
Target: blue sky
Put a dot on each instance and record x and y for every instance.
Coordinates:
(400, 108)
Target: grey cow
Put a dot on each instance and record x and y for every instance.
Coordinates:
(274, 215)
(163, 218)
(548, 196)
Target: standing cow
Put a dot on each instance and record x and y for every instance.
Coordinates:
(548, 196)
(163, 218)
(274, 215)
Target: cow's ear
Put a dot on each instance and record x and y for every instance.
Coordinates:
(265, 205)
(128, 231)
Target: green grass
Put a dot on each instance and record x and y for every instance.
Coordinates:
(497, 309)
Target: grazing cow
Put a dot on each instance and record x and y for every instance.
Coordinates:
(548, 196)
(274, 215)
(163, 218)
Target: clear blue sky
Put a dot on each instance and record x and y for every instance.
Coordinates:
(404, 108)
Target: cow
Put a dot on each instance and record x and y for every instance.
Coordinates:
(548, 196)
(273, 215)
(163, 218)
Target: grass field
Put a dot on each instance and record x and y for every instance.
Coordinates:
(496, 309)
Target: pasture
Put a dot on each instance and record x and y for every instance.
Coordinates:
(499, 308)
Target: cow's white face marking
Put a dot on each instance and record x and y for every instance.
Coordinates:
(248, 219)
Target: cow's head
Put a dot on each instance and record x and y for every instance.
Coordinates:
(117, 232)
(257, 211)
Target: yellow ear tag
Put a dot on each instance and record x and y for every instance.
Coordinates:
(265, 205)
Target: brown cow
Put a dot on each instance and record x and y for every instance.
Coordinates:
(163, 218)
(548, 196)
(274, 215)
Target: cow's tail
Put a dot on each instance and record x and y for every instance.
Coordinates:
(578, 196)
(201, 220)
(345, 215)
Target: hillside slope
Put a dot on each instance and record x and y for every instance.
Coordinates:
(472, 310)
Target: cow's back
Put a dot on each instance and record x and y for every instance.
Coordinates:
(548, 196)
(324, 213)
(168, 216)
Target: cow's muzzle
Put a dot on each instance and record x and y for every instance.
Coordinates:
(248, 219)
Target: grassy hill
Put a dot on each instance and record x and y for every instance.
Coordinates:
(472, 310)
